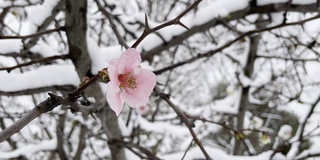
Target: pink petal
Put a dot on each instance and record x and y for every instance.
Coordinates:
(133, 101)
(113, 73)
(129, 61)
(114, 99)
(146, 81)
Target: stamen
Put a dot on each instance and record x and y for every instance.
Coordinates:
(127, 81)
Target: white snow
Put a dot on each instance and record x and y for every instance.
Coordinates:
(101, 56)
(10, 45)
(301, 110)
(265, 2)
(64, 74)
(38, 13)
(53, 75)
(216, 9)
(5, 4)
(29, 150)
(161, 127)
(285, 132)
(215, 153)
(44, 49)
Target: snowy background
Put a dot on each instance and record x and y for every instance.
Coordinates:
(249, 81)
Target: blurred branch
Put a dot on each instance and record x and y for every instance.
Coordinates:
(35, 35)
(235, 15)
(33, 41)
(23, 3)
(289, 59)
(304, 123)
(38, 90)
(184, 119)
(112, 24)
(48, 105)
(132, 146)
(3, 14)
(45, 106)
(213, 52)
(185, 153)
(308, 156)
(60, 136)
(42, 60)
(82, 141)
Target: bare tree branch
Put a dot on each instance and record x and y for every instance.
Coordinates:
(212, 52)
(42, 60)
(112, 24)
(66, 88)
(45, 106)
(270, 8)
(184, 120)
(175, 21)
(35, 35)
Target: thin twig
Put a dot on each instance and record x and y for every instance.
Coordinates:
(210, 53)
(185, 153)
(43, 107)
(175, 21)
(38, 34)
(42, 60)
(48, 105)
(132, 145)
(308, 156)
(112, 24)
(184, 120)
(303, 125)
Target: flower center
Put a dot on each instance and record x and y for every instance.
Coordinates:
(127, 81)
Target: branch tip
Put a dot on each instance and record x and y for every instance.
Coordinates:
(182, 25)
(146, 22)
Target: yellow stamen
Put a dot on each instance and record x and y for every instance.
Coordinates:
(127, 81)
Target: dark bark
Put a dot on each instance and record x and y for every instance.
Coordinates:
(76, 27)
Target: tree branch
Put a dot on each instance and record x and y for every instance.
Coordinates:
(45, 106)
(66, 88)
(42, 60)
(35, 35)
(184, 120)
(175, 21)
(303, 125)
(48, 105)
(112, 24)
(270, 8)
(213, 52)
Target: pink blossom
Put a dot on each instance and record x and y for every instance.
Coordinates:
(128, 82)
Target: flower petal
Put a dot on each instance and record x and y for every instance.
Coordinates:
(114, 99)
(146, 81)
(113, 73)
(129, 61)
(132, 100)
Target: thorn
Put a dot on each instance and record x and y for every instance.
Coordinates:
(184, 26)
(146, 22)
(54, 97)
(57, 100)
